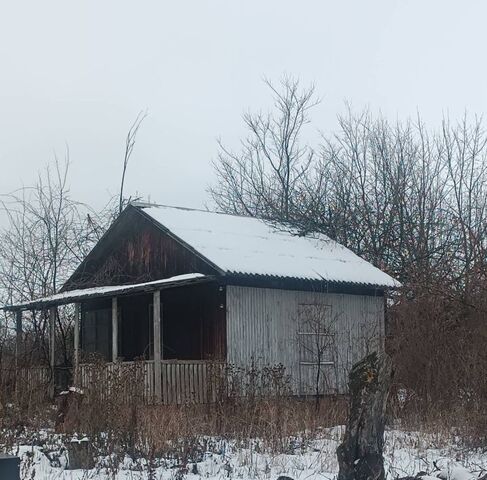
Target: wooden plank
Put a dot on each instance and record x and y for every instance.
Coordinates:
(148, 373)
(76, 343)
(164, 383)
(191, 383)
(173, 385)
(201, 384)
(18, 345)
(177, 377)
(184, 384)
(52, 352)
(157, 346)
(179, 382)
(197, 383)
(18, 334)
(150, 376)
(114, 329)
(168, 384)
(177, 370)
(205, 382)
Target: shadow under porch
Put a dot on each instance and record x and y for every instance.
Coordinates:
(192, 325)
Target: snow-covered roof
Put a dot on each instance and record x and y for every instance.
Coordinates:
(246, 245)
(73, 296)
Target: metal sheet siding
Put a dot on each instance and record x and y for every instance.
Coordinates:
(262, 329)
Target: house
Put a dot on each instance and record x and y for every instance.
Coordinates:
(182, 289)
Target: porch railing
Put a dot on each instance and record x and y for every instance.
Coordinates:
(23, 384)
(182, 381)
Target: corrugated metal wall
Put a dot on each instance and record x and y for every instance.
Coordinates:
(263, 327)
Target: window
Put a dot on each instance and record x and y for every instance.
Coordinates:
(316, 339)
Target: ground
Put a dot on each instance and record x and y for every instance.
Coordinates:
(406, 453)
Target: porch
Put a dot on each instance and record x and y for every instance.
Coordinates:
(162, 342)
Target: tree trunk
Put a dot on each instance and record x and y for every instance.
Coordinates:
(360, 453)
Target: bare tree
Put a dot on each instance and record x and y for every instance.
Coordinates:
(47, 235)
(264, 178)
(129, 147)
(411, 200)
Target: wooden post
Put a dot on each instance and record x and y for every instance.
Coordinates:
(157, 346)
(18, 335)
(114, 329)
(76, 343)
(18, 345)
(52, 352)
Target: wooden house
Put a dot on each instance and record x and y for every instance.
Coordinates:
(184, 289)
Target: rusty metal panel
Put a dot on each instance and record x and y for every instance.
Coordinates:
(262, 328)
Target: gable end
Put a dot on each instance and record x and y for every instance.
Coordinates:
(135, 249)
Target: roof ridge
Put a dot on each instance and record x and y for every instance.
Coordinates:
(279, 226)
(142, 204)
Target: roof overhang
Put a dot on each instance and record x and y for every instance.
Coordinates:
(75, 296)
(305, 284)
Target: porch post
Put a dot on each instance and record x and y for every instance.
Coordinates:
(114, 329)
(18, 336)
(52, 356)
(157, 346)
(18, 345)
(76, 343)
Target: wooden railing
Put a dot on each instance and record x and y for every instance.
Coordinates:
(191, 381)
(182, 381)
(35, 378)
(26, 384)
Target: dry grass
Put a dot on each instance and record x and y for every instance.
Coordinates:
(255, 403)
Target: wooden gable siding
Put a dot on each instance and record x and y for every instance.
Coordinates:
(136, 250)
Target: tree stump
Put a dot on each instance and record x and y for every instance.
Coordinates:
(360, 453)
(80, 454)
(69, 403)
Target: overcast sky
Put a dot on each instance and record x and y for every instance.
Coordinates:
(77, 72)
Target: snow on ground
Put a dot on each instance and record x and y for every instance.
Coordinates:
(405, 453)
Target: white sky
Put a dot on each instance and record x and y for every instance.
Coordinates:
(77, 73)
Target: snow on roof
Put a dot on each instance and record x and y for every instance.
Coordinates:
(111, 290)
(246, 245)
